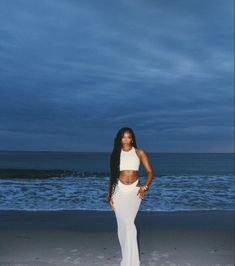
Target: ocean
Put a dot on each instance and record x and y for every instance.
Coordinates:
(79, 181)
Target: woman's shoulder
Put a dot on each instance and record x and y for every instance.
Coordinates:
(140, 150)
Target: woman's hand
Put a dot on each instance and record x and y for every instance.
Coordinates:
(141, 192)
(110, 201)
(112, 204)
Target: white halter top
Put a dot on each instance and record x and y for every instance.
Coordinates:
(129, 160)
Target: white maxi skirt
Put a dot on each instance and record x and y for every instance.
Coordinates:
(126, 205)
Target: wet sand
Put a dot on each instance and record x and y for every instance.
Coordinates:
(89, 238)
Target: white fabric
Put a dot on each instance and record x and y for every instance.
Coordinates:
(126, 205)
(129, 160)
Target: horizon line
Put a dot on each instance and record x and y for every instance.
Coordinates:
(107, 151)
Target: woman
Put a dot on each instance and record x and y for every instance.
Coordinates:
(125, 191)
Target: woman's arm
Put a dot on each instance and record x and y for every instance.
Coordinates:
(147, 165)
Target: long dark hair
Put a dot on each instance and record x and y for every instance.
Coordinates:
(115, 157)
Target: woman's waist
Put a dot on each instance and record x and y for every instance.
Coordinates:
(128, 183)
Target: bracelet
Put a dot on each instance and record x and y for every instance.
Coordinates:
(145, 187)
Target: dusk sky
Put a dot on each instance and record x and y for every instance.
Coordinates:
(72, 73)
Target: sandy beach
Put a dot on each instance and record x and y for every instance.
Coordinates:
(88, 238)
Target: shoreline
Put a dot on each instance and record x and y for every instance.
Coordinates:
(78, 219)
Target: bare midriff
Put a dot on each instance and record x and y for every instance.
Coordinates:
(128, 177)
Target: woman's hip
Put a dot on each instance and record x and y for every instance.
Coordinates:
(127, 194)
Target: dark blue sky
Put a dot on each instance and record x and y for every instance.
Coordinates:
(73, 72)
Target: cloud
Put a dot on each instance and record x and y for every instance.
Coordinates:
(71, 65)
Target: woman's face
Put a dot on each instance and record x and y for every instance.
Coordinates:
(126, 139)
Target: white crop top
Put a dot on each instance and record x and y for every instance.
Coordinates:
(129, 160)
